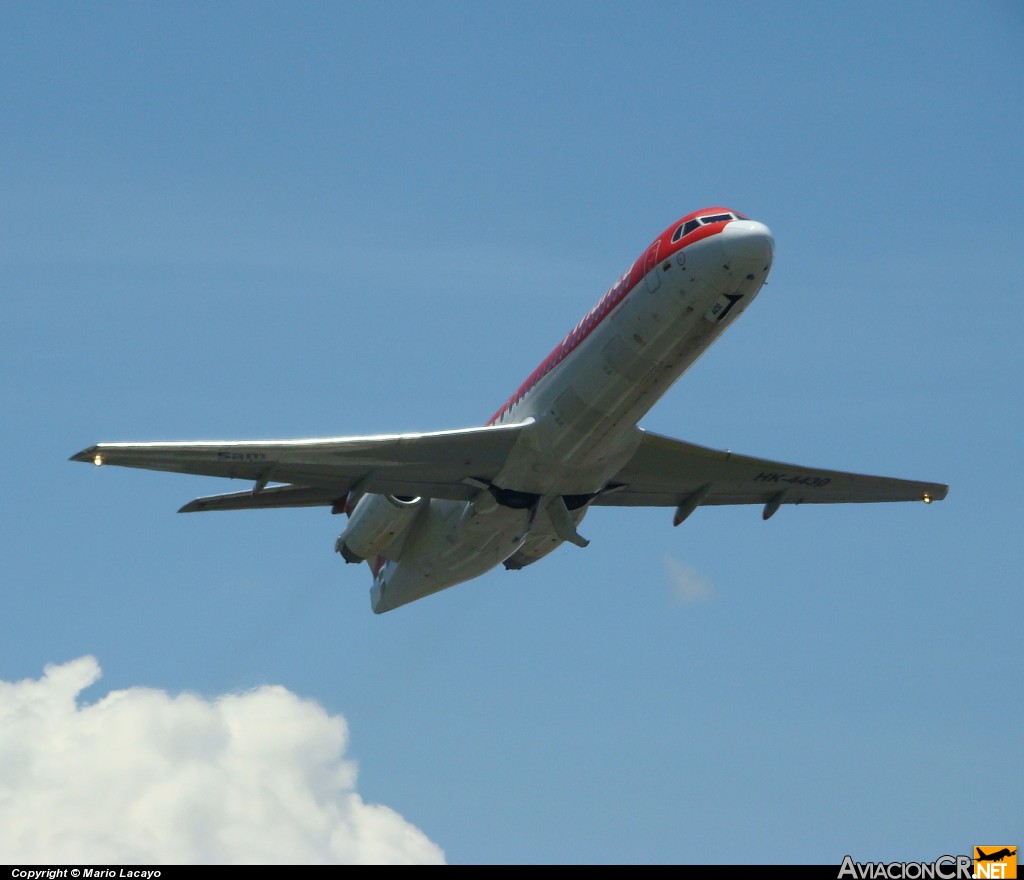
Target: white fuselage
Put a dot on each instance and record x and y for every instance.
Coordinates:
(583, 405)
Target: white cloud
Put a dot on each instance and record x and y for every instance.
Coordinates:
(145, 777)
(688, 585)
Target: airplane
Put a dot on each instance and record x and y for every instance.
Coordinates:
(431, 510)
(996, 856)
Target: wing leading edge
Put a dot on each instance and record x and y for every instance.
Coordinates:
(665, 473)
(317, 472)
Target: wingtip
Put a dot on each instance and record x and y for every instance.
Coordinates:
(934, 492)
(87, 455)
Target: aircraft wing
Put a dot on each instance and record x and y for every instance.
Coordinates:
(668, 473)
(431, 464)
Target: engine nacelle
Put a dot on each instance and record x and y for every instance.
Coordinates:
(377, 525)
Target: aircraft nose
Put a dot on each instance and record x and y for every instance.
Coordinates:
(748, 240)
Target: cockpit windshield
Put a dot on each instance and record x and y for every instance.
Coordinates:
(716, 218)
(688, 227)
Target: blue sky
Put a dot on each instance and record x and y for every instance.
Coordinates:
(256, 220)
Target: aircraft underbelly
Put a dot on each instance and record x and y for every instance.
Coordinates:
(585, 416)
(451, 544)
(587, 410)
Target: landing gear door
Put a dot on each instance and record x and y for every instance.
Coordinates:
(723, 307)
